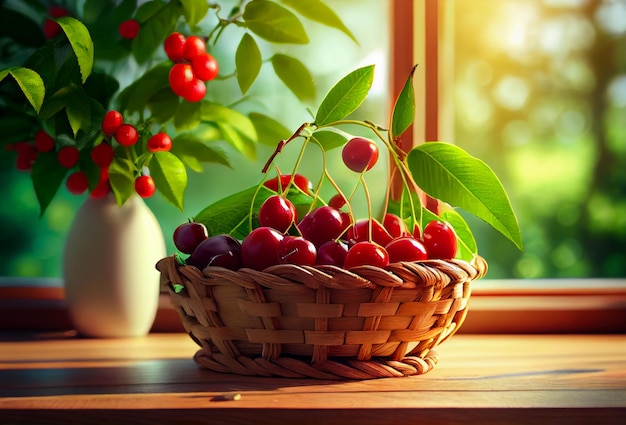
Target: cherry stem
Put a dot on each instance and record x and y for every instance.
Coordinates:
(281, 145)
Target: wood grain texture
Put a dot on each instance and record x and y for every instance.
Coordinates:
(479, 379)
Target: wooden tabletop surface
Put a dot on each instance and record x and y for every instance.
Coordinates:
(58, 378)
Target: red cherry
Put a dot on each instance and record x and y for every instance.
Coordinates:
(180, 78)
(159, 142)
(58, 11)
(144, 186)
(205, 67)
(173, 46)
(102, 155)
(332, 253)
(126, 135)
(129, 29)
(395, 225)
(297, 250)
(193, 47)
(359, 154)
(299, 181)
(406, 248)
(68, 156)
(417, 232)
(26, 156)
(260, 249)
(111, 122)
(439, 239)
(102, 188)
(321, 225)
(188, 236)
(360, 232)
(196, 91)
(366, 253)
(278, 213)
(337, 201)
(77, 182)
(217, 251)
(43, 141)
(50, 28)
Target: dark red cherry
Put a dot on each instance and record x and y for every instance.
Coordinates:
(188, 236)
(360, 232)
(297, 250)
(321, 225)
(260, 249)
(332, 253)
(219, 251)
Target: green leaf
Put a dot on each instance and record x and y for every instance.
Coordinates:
(30, 83)
(248, 62)
(20, 28)
(329, 140)
(135, 97)
(191, 150)
(170, 177)
(269, 131)
(47, 176)
(345, 96)
(447, 172)
(238, 140)
(78, 112)
(163, 105)
(122, 178)
(295, 75)
(319, 12)
(156, 24)
(219, 114)
(194, 11)
(188, 115)
(231, 215)
(404, 109)
(81, 43)
(274, 23)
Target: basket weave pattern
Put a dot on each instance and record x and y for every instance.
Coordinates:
(322, 322)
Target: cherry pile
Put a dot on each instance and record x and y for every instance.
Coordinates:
(326, 235)
(193, 66)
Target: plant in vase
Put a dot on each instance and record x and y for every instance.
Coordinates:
(116, 101)
(377, 290)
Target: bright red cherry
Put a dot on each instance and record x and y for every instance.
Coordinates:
(129, 29)
(126, 135)
(260, 249)
(43, 141)
(406, 248)
(360, 232)
(277, 212)
(321, 225)
(337, 201)
(440, 241)
(77, 182)
(193, 47)
(395, 225)
(359, 154)
(205, 67)
(299, 181)
(173, 46)
(111, 122)
(195, 91)
(159, 142)
(180, 78)
(68, 156)
(332, 253)
(102, 188)
(102, 154)
(144, 186)
(297, 250)
(188, 236)
(366, 254)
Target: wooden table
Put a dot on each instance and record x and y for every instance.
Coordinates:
(483, 379)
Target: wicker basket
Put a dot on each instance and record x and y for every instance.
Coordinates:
(322, 322)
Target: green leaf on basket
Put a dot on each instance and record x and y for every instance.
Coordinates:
(248, 62)
(320, 12)
(30, 83)
(268, 130)
(81, 43)
(345, 96)
(274, 23)
(177, 287)
(122, 178)
(404, 109)
(47, 177)
(170, 177)
(448, 173)
(329, 140)
(295, 75)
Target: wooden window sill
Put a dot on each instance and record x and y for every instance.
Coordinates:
(513, 379)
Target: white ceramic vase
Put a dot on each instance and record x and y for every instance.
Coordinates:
(111, 283)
